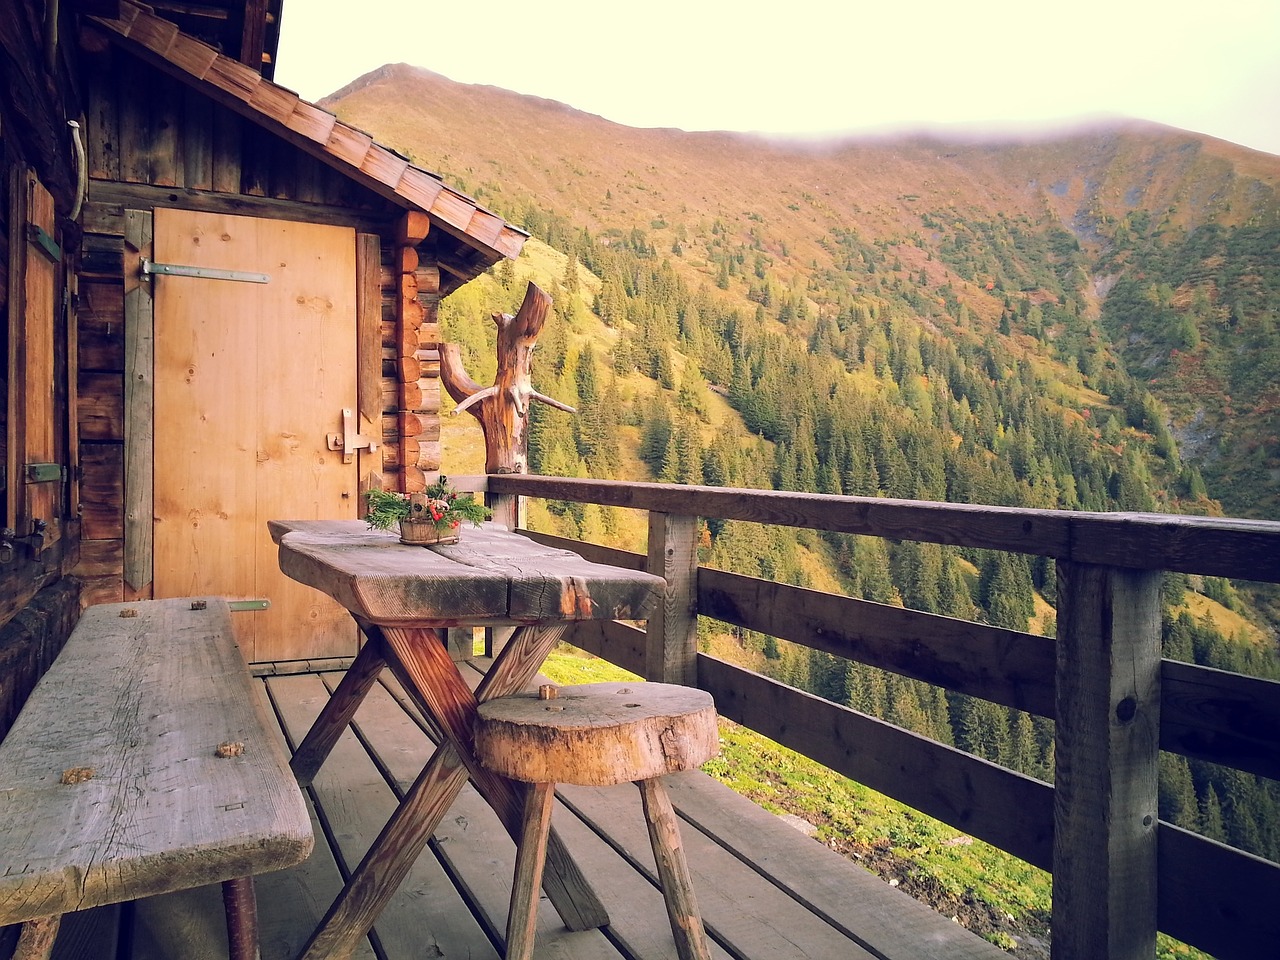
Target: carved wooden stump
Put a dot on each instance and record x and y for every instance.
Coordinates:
(600, 734)
(503, 409)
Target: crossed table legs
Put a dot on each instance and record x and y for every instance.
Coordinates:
(419, 660)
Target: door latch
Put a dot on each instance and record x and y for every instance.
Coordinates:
(350, 439)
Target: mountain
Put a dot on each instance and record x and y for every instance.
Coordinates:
(1185, 224)
(499, 140)
(1088, 320)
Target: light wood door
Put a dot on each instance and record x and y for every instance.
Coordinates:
(250, 378)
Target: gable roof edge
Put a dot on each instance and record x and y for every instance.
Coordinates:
(314, 130)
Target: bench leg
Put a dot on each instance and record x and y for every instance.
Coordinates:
(36, 940)
(673, 872)
(531, 854)
(242, 918)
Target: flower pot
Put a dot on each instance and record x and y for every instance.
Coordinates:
(426, 533)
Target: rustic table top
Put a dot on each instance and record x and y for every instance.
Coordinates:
(492, 576)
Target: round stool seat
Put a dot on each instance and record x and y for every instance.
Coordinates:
(598, 734)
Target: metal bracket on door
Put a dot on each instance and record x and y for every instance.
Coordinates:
(201, 273)
(350, 440)
(248, 606)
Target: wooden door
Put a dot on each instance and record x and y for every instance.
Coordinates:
(250, 378)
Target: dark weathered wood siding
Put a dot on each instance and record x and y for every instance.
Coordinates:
(143, 128)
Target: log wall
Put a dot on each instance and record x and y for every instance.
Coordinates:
(33, 560)
(145, 129)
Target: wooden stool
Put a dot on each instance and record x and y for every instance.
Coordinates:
(600, 734)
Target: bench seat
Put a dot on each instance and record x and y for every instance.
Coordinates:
(112, 786)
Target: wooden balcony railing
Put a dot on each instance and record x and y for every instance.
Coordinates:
(1119, 874)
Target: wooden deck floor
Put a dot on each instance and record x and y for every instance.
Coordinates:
(765, 889)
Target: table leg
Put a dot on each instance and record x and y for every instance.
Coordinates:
(390, 857)
(423, 666)
(337, 713)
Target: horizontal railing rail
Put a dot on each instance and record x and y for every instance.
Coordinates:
(1207, 714)
(1200, 891)
(1241, 549)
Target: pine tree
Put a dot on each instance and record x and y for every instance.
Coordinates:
(570, 279)
(588, 424)
(980, 727)
(1211, 824)
(655, 436)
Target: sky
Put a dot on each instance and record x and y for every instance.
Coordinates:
(811, 67)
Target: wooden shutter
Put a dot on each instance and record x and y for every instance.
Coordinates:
(35, 476)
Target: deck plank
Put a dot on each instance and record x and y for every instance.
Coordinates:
(886, 921)
(741, 910)
(766, 890)
(356, 801)
(637, 916)
(470, 840)
(292, 902)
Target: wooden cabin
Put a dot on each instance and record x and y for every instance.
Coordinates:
(221, 309)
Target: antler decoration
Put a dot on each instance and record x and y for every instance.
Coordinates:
(503, 409)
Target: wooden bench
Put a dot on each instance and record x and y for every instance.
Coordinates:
(142, 764)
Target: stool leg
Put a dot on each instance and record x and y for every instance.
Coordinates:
(673, 872)
(531, 854)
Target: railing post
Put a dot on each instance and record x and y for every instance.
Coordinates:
(1107, 749)
(508, 510)
(671, 643)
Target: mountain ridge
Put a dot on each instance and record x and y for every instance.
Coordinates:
(983, 223)
(398, 85)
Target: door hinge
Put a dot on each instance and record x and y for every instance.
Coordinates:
(201, 273)
(48, 246)
(45, 472)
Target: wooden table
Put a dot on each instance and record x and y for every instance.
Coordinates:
(401, 597)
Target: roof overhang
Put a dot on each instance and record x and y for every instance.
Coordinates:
(479, 238)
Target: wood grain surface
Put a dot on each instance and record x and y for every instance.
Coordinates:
(139, 702)
(598, 733)
(491, 576)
